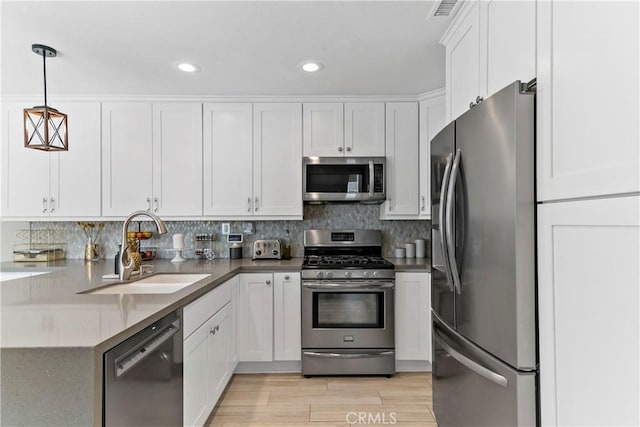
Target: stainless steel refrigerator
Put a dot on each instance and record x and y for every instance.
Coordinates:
(483, 255)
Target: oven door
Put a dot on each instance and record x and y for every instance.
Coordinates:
(348, 314)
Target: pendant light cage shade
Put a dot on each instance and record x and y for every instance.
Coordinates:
(45, 128)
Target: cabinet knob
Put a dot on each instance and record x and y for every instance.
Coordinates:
(286, 277)
(348, 149)
(340, 149)
(268, 282)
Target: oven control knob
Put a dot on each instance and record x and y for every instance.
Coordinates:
(376, 274)
(347, 274)
(319, 274)
(365, 274)
(328, 274)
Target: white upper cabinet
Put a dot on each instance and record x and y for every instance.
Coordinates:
(489, 45)
(228, 157)
(127, 148)
(350, 130)
(432, 120)
(177, 159)
(277, 159)
(462, 60)
(52, 184)
(587, 99)
(323, 129)
(364, 134)
(403, 162)
(509, 33)
(151, 157)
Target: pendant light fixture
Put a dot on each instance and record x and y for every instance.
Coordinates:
(45, 128)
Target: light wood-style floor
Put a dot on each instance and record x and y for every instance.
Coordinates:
(290, 400)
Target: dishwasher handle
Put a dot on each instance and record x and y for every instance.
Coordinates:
(142, 350)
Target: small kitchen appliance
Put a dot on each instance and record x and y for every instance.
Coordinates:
(267, 249)
(347, 304)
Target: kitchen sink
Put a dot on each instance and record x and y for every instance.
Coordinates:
(155, 284)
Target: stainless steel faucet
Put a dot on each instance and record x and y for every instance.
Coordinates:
(126, 269)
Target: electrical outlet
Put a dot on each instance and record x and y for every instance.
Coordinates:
(225, 228)
(247, 227)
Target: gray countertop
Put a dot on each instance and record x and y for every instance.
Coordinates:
(54, 335)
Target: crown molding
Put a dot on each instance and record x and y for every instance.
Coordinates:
(425, 96)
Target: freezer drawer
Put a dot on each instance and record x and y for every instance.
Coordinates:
(472, 388)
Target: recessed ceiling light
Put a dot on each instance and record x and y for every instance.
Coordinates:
(188, 68)
(312, 66)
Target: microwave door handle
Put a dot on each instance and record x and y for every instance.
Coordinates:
(371, 178)
(450, 219)
(442, 220)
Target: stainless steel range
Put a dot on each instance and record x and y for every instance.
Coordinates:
(347, 304)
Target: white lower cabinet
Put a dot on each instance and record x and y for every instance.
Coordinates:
(269, 323)
(286, 316)
(588, 302)
(208, 351)
(413, 316)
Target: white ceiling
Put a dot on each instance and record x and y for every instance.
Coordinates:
(244, 47)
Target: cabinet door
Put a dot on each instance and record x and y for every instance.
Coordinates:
(196, 374)
(587, 139)
(413, 316)
(588, 301)
(228, 159)
(255, 323)
(364, 129)
(177, 159)
(432, 121)
(277, 159)
(323, 129)
(462, 62)
(75, 174)
(218, 354)
(286, 316)
(403, 161)
(126, 157)
(509, 28)
(25, 172)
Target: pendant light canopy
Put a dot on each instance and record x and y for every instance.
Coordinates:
(45, 128)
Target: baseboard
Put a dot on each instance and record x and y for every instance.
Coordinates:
(282, 366)
(413, 366)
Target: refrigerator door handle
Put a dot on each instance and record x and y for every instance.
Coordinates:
(474, 366)
(451, 248)
(441, 216)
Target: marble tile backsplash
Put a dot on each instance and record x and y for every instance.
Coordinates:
(394, 233)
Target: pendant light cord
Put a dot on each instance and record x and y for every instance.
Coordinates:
(44, 69)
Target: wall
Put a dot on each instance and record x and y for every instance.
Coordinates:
(8, 232)
(394, 233)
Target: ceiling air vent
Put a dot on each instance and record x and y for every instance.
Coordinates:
(445, 7)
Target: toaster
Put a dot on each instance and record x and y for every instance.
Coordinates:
(267, 249)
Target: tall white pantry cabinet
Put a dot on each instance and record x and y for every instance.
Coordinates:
(588, 187)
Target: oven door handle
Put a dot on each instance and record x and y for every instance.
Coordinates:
(346, 355)
(350, 285)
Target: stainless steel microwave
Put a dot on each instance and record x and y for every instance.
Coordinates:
(343, 179)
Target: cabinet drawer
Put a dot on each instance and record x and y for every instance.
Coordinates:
(196, 313)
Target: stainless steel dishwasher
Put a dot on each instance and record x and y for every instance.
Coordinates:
(143, 377)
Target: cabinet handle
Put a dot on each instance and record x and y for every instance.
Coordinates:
(422, 199)
(348, 149)
(148, 203)
(256, 204)
(155, 204)
(249, 204)
(286, 277)
(479, 99)
(340, 149)
(53, 205)
(217, 328)
(212, 331)
(44, 205)
(471, 105)
(390, 204)
(268, 282)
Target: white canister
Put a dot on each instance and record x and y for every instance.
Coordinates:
(411, 250)
(421, 248)
(178, 241)
(399, 252)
